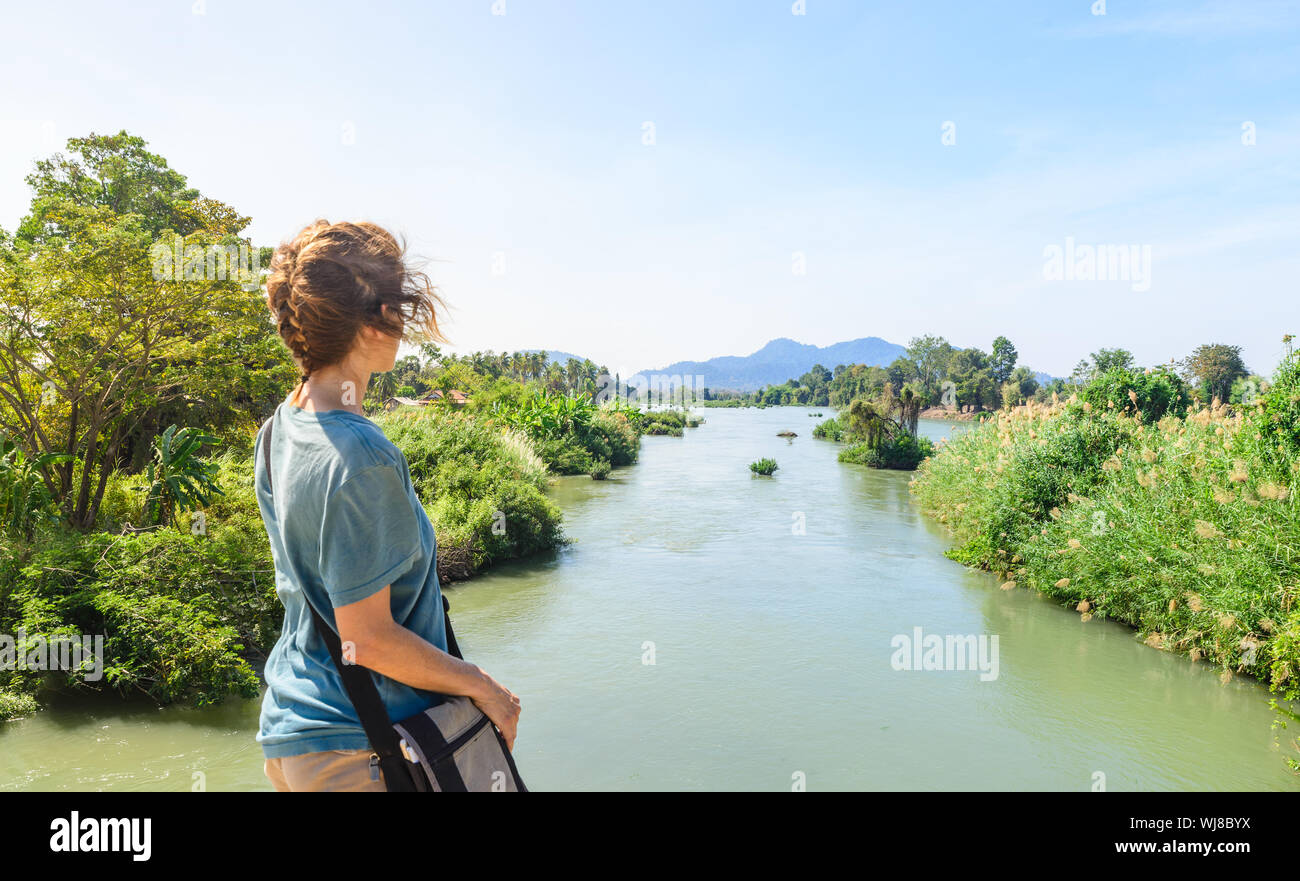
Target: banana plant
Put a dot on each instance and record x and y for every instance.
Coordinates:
(548, 415)
(25, 499)
(178, 479)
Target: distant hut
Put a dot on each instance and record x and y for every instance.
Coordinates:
(456, 397)
(395, 402)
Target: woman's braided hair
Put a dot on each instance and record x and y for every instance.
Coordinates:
(334, 278)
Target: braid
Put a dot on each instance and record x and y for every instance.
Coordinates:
(292, 333)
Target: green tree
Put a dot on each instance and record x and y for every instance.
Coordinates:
(1213, 368)
(970, 374)
(930, 354)
(25, 498)
(100, 337)
(1249, 389)
(1003, 360)
(902, 371)
(818, 382)
(1020, 386)
(177, 477)
(381, 387)
(858, 381)
(1100, 362)
(408, 372)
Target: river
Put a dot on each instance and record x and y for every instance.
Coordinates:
(708, 629)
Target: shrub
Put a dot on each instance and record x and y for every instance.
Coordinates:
(831, 429)
(1152, 393)
(614, 438)
(182, 610)
(1278, 440)
(122, 503)
(763, 467)
(466, 470)
(600, 470)
(176, 610)
(669, 422)
(565, 455)
(14, 705)
(902, 453)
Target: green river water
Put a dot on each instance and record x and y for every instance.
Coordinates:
(771, 654)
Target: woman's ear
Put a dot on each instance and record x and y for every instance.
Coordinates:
(390, 314)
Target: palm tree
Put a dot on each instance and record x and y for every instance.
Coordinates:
(907, 405)
(383, 385)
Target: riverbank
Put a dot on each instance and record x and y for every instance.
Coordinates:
(955, 415)
(1186, 529)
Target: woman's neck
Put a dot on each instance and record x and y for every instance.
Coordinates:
(332, 388)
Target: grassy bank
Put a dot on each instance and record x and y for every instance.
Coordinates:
(1185, 527)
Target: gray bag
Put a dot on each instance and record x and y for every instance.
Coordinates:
(454, 747)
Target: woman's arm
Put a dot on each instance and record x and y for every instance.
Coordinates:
(372, 639)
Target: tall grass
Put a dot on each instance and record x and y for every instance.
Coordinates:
(1179, 528)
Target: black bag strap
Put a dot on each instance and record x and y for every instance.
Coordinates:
(370, 710)
(357, 681)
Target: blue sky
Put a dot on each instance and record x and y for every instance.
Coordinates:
(510, 151)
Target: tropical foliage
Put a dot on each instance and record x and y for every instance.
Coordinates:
(177, 478)
(1181, 523)
(25, 498)
(573, 433)
(102, 327)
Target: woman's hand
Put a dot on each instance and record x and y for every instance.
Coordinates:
(500, 705)
(376, 641)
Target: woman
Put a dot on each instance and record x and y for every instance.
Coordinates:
(347, 531)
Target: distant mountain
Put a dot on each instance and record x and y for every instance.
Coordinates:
(782, 359)
(779, 360)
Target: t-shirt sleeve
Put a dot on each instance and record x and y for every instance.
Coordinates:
(369, 535)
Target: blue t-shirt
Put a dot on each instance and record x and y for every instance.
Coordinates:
(344, 521)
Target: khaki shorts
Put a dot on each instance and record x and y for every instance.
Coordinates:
(336, 770)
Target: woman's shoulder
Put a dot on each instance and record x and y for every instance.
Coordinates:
(351, 441)
(364, 441)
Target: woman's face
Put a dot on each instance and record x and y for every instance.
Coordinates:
(381, 349)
